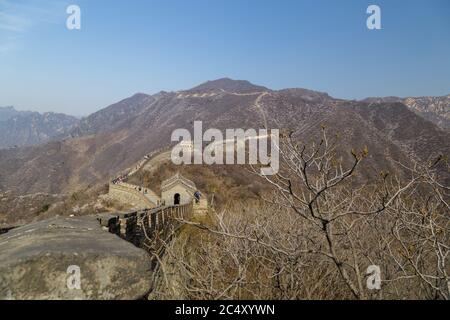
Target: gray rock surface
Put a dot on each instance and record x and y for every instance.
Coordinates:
(35, 259)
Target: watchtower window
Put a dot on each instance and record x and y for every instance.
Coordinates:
(176, 199)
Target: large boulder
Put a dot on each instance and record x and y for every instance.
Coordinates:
(71, 258)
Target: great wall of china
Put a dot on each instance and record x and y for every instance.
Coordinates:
(139, 197)
(142, 197)
(151, 216)
(148, 228)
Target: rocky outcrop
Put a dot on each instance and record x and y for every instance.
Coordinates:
(43, 261)
(434, 109)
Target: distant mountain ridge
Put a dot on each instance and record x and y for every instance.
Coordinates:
(7, 113)
(434, 109)
(26, 128)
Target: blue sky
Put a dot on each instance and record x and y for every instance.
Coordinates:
(133, 46)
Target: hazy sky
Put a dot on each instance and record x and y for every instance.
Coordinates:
(132, 46)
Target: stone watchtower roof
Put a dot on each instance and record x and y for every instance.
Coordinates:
(178, 178)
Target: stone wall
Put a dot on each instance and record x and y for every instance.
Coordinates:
(147, 228)
(128, 194)
(201, 207)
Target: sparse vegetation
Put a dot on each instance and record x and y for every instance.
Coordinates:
(44, 208)
(317, 235)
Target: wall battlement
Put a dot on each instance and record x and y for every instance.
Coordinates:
(148, 228)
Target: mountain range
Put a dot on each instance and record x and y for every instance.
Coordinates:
(94, 149)
(26, 128)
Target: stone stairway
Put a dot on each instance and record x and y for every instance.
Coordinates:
(201, 208)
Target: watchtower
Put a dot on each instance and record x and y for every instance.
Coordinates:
(177, 190)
